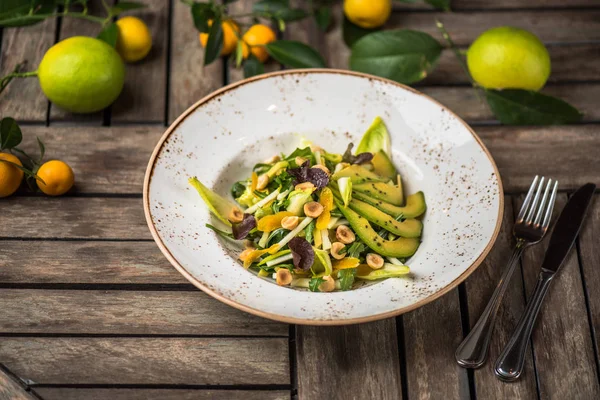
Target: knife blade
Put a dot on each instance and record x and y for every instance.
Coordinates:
(567, 227)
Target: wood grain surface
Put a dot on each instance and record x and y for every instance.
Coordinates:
(160, 394)
(11, 390)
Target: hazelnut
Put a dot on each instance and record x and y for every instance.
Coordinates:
(272, 160)
(283, 277)
(263, 181)
(322, 168)
(314, 148)
(235, 215)
(244, 254)
(299, 160)
(313, 209)
(328, 285)
(289, 222)
(344, 234)
(335, 250)
(374, 261)
(304, 186)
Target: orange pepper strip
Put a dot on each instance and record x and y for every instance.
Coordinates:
(253, 255)
(254, 182)
(269, 223)
(326, 200)
(345, 263)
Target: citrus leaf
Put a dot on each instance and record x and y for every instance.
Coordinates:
(24, 12)
(439, 4)
(252, 67)
(352, 33)
(201, 14)
(109, 34)
(278, 10)
(27, 172)
(525, 107)
(323, 17)
(123, 6)
(10, 133)
(405, 56)
(42, 150)
(295, 54)
(239, 53)
(214, 43)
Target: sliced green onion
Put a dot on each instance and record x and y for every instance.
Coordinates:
(332, 222)
(282, 195)
(251, 210)
(279, 260)
(274, 256)
(300, 282)
(263, 240)
(325, 239)
(317, 157)
(295, 232)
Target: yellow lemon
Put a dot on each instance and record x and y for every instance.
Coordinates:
(509, 58)
(230, 37)
(58, 177)
(134, 40)
(10, 176)
(368, 13)
(257, 36)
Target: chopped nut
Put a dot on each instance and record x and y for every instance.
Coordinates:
(263, 181)
(289, 222)
(235, 215)
(313, 209)
(272, 160)
(328, 285)
(374, 261)
(244, 254)
(314, 148)
(304, 186)
(283, 277)
(299, 160)
(344, 234)
(335, 249)
(322, 168)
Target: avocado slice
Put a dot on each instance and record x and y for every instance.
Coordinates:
(415, 205)
(382, 165)
(401, 247)
(358, 174)
(408, 228)
(387, 192)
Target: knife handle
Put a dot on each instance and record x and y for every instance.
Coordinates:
(510, 363)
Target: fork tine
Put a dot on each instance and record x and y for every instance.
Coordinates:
(540, 211)
(550, 206)
(527, 199)
(529, 219)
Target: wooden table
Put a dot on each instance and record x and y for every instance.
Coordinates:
(90, 309)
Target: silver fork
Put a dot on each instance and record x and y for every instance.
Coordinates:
(530, 227)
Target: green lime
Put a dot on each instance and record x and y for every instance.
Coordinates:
(81, 74)
(508, 58)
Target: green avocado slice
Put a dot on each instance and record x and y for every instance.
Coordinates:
(382, 165)
(381, 191)
(408, 228)
(358, 174)
(415, 205)
(401, 247)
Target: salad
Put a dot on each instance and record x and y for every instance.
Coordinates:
(323, 220)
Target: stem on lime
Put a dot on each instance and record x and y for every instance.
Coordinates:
(5, 80)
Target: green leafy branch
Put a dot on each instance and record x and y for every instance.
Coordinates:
(10, 137)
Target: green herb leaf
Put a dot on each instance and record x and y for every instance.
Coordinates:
(309, 231)
(524, 107)
(123, 6)
(214, 43)
(295, 54)
(439, 4)
(10, 133)
(24, 12)
(278, 10)
(252, 66)
(346, 278)
(323, 17)
(109, 34)
(238, 189)
(405, 56)
(221, 233)
(314, 284)
(201, 13)
(353, 33)
(27, 172)
(239, 53)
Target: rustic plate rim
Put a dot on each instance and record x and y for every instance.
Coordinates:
(301, 321)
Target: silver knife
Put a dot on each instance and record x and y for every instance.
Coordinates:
(510, 363)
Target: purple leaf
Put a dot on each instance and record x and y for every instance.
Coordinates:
(356, 159)
(241, 229)
(306, 174)
(302, 253)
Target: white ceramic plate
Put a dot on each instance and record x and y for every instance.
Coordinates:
(222, 136)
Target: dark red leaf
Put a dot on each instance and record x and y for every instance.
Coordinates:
(302, 253)
(241, 229)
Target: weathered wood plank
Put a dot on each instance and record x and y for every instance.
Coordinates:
(156, 361)
(590, 260)
(126, 312)
(562, 345)
(551, 26)
(86, 262)
(160, 394)
(485, 4)
(569, 63)
(431, 335)
(11, 390)
(79, 27)
(523, 152)
(189, 81)
(23, 99)
(349, 362)
(479, 288)
(74, 217)
(334, 50)
(144, 95)
(104, 159)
